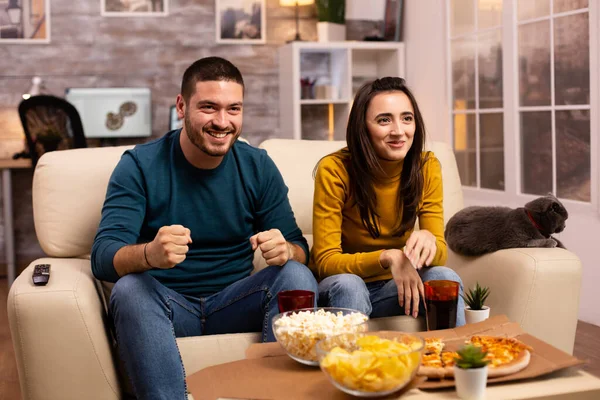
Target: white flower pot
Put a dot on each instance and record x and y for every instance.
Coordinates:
(470, 383)
(330, 32)
(472, 316)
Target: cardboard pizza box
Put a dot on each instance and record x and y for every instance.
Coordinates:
(268, 373)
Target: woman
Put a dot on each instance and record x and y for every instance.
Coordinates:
(368, 196)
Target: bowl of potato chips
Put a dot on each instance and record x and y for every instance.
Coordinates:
(299, 331)
(370, 364)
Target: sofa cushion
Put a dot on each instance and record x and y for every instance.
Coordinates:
(69, 188)
(199, 352)
(296, 160)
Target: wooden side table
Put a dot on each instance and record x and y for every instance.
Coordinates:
(6, 165)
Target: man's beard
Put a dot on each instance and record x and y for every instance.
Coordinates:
(197, 138)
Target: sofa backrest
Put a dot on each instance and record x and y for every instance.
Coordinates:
(297, 160)
(68, 192)
(69, 188)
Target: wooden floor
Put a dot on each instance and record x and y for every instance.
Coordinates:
(587, 347)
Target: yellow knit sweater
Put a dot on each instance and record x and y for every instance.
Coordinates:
(341, 242)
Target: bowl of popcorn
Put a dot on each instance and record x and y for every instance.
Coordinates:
(299, 331)
(370, 364)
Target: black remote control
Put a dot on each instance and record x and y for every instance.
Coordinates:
(41, 274)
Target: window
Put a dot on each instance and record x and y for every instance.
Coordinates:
(540, 111)
(477, 91)
(554, 98)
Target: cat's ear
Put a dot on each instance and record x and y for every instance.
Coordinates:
(556, 207)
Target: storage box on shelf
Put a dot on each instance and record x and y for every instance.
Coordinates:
(317, 83)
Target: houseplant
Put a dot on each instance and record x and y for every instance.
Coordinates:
(470, 372)
(331, 15)
(476, 310)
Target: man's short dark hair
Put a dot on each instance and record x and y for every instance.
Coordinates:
(208, 69)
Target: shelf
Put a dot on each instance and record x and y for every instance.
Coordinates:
(347, 44)
(337, 69)
(323, 101)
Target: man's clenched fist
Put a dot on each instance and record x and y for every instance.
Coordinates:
(169, 247)
(274, 248)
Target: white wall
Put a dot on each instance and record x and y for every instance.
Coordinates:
(370, 10)
(425, 41)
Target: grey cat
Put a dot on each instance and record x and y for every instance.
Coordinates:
(478, 230)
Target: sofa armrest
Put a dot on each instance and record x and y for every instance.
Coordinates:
(538, 288)
(59, 334)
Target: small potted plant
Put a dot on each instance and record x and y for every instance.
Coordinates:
(470, 372)
(331, 15)
(475, 310)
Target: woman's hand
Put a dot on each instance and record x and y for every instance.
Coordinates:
(421, 248)
(407, 279)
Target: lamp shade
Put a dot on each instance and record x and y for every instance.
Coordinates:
(35, 89)
(14, 12)
(291, 3)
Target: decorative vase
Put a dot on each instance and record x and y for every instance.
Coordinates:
(331, 32)
(473, 316)
(470, 383)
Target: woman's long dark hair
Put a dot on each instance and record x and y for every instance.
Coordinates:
(365, 168)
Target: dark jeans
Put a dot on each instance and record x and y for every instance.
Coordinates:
(380, 298)
(148, 317)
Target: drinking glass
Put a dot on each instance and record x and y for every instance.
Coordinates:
(290, 300)
(441, 300)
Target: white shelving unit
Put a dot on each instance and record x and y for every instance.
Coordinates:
(344, 66)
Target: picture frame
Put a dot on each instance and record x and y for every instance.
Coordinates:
(392, 21)
(174, 121)
(134, 8)
(241, 21)
(25, 21)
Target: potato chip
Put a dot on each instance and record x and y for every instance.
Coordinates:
(373, 364)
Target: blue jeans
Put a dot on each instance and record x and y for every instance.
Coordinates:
(380, 298)
(148, 317)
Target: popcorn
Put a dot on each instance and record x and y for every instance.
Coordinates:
(299, 332)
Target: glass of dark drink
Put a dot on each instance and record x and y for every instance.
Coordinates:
(441, 299)
(291, 300)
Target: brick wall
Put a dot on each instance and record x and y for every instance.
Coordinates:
(88, 50)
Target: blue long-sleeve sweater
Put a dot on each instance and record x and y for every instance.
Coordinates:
(154, 185)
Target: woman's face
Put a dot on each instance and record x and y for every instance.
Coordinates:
(391, 125)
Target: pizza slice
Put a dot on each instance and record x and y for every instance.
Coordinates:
(432, 366)
(434, 346)
(448, 358)
(506, 355)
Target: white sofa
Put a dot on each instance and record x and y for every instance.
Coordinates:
(59, 331)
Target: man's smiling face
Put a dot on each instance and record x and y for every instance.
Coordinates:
(213, 116)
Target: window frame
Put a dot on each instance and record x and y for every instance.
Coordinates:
(512, 195)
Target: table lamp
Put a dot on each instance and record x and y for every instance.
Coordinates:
(35, 89)
(14, 12)
(297, 4)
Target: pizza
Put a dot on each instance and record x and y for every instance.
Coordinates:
(506, 356)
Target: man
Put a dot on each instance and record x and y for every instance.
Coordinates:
(182, 218)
